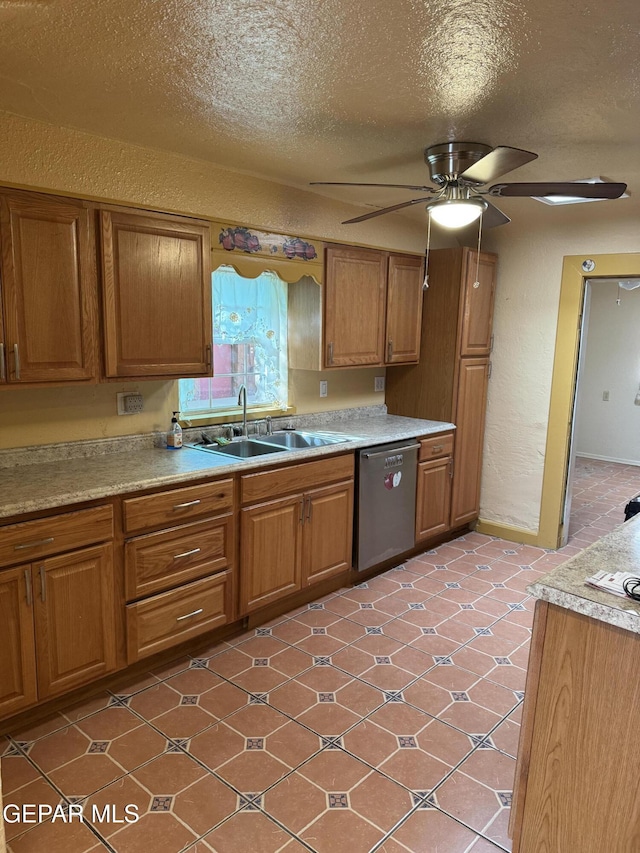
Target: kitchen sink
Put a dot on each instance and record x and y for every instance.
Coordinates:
(301, 440)
(239, 449)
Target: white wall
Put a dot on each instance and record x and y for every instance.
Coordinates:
(610, 430)
(531, 251)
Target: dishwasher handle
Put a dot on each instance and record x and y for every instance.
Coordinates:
(389, 452)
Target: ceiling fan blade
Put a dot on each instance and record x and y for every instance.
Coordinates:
(385, 210)
(492, 217)
(578, 190)
(499, 161)
(393, 186)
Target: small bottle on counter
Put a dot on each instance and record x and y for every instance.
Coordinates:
(174, 436)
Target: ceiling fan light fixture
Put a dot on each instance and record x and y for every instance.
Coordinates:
(456, 213)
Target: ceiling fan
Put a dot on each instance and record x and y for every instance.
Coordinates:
(460, 170)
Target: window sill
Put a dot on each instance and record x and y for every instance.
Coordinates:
(255, 413)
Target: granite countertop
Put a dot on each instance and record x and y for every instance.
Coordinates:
(70, 474)
(618, 551)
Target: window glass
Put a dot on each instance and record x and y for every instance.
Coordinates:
(249, 345)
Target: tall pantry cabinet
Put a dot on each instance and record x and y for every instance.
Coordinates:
(450, 381)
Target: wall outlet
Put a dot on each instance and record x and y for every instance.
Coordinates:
(323, 388)
(130, 404)
(378, 383)
(605, 396)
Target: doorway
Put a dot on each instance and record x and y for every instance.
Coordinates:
(577, 269)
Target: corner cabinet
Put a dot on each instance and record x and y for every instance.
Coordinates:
(367, 313)
(449, 383)
(296, 529)
(156, 294)
(48, 311)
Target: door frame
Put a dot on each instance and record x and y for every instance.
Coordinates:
(563, 384)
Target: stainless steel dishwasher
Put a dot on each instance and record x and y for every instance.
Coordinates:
(386, 508)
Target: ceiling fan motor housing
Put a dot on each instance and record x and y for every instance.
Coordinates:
(449, 159)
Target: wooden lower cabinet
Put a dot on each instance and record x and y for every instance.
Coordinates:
(75, 619)
(293, 542)
(57, 626)
(17, 644)
(433, 501)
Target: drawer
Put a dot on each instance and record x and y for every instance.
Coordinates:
(165, 509)
(30, 540)
(296, 478)
(436, 446)
(159, 561)
(170, 618)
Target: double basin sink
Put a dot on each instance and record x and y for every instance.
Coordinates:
(277, 443)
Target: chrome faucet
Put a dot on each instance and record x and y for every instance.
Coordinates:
(242, 401)
(269, 424)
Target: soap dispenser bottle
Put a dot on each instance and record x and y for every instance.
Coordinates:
(174, 436)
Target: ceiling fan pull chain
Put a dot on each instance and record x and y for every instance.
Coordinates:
(476, 283)
(425, 283)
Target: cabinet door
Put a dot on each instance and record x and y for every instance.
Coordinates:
(477, 304)
(75, 619)
(354, 307)
(156, 295)
(327, 533)
(433, 506)
(404, 308)
(469, 418)
(17, 647)
(49, 289)
(270, 551)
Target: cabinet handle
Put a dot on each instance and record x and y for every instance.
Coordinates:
(451, 467)
(389, 350)
(43, 584)
(187, 553)
(3, 369)
(184, 505)
(27, 583)
(33, 544)
(208, 356)
(491, 344)
(189, 615)
(330, 356)
(436, 449)
(302, 511)
(16, 356)
(309, 509)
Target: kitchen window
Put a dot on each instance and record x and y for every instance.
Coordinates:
(249, 346)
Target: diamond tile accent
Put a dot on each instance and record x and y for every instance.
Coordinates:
(374, 630)
(424, 800)
(338, 801)
(406, 586)
(483, 632)
(189, 700)
(476, 740)
(366, 605)
(394, 696)
(467, 607)
(414, 605)
(322, 661)
(498, 586)
(516, 606)
(362, 586)
(509, 551)
(519, 694)
(177, 744)
(407, 742)
(318, 630)
(503, 661)
(119, 701)
(443, 661)
(315, 606)
(459, 696)
(525, 568)
(326, 697)
(198, 663)
(250, 802)
(161, 804)
(97, 746)
(261, 661)
(487, 743)
(11, 749)
(263, 632)
(258, 698)
(254, 743)
(452, 585)
(382, 659)
(331, 742)
(483, 568)
(505, 798)
(441, 568)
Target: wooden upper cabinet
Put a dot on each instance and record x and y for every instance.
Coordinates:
(405, 276)
(354, 307)
(49, 290)
(477, 304)
(156, 281)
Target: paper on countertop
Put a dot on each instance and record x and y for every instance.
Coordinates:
(611, 581)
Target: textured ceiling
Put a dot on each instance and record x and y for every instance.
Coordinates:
(297, 90)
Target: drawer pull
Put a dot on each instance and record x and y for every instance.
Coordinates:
(188, 503)
(187, 553)
(189, 615)
(437, 449)
(27, 583)
(309, 509)
(33, 544)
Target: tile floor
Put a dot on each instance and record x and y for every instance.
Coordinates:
(380, 718)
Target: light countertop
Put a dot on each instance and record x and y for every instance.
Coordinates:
(50, 481)
(618, 551)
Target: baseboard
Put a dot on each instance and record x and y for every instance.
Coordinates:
(608, 459)
(506, 531)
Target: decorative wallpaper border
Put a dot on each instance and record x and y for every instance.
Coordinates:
(241, 239)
